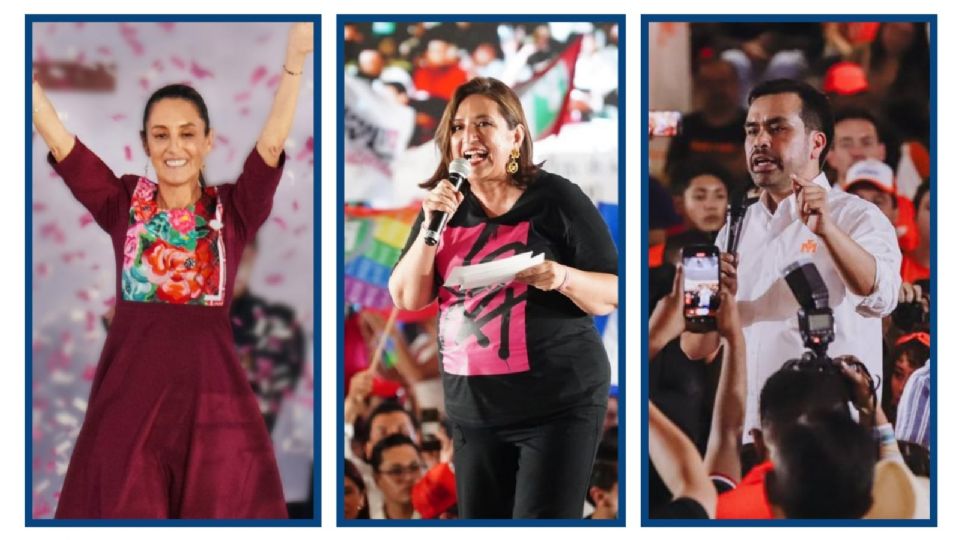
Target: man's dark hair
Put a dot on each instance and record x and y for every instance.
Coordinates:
(816, 112)
(604, 476)
(823, 468)
(917, 353)
(857, 113)
(386, 407)
(800, 389)
(386, 443)
(688, 170)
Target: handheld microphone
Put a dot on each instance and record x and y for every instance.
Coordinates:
(735, 214)
(458, 171)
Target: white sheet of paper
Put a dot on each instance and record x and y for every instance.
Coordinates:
(473, 276)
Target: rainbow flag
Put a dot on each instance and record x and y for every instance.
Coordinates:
(372, 243)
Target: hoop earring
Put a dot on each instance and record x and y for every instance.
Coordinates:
(513, 166)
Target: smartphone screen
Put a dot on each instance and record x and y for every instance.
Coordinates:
(665, 123)
(701, 282)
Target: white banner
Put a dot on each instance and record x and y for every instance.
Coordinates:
(376, 130)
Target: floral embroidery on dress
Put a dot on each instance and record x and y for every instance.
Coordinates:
(175, 256)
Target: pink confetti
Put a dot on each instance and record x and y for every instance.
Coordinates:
(39, 207)
(89, 371)
(104, 50)
(296, 205)
(167, 26)
(289, 254)
(274, 279)
(83, 295)
(306, 151)
(79, 25)
(109, 302)
(41, 54)
(282, 223)
(178, 62)
(129, 33)
(242, 96)
(158, 65)
(199, 72)
(91, 321)
(86, 219)
(69, 256)
(52, 29)
(222, 139)
(118, 117)
(258, 74)
(127, 152)
(41, 509)
(144, 83)
(53, 232)
(245, 111)
(231, 155)
(263, 39)
(274, 81)
(300, 230)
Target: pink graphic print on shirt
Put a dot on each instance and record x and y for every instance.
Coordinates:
(482, 331)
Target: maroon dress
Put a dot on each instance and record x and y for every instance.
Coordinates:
(172, 429)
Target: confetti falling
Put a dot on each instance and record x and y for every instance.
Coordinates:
(258, 74)
(200, 72)
(146, 56)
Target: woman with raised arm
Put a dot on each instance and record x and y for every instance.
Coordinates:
(525, 373)
(172, 429)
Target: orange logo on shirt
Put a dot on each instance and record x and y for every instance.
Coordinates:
(810, 246)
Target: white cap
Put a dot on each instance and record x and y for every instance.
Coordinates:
(873, 171)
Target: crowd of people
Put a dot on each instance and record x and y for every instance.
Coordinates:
(398, 446)
(820, 133)
(444, 416)
(421, 64)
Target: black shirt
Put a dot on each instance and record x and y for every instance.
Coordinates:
(682, 508)
(511, 352)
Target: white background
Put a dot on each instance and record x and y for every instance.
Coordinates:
(12, 267)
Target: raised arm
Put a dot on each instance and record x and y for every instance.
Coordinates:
(412, 284)
(274, 134)
(729, 409)
(59, 140)
(678, 462)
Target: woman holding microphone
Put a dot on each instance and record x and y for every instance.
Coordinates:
(525, 374)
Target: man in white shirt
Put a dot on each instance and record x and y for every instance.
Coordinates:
(789, 129)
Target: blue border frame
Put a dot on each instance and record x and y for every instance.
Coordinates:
(29, 520)
(621, 310)
(645, 519)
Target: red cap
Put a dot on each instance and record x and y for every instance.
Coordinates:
(845, 78)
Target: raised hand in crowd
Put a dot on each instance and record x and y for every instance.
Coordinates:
(729, 410)
(666, 321)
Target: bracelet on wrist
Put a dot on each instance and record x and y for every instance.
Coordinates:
(566, 274)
